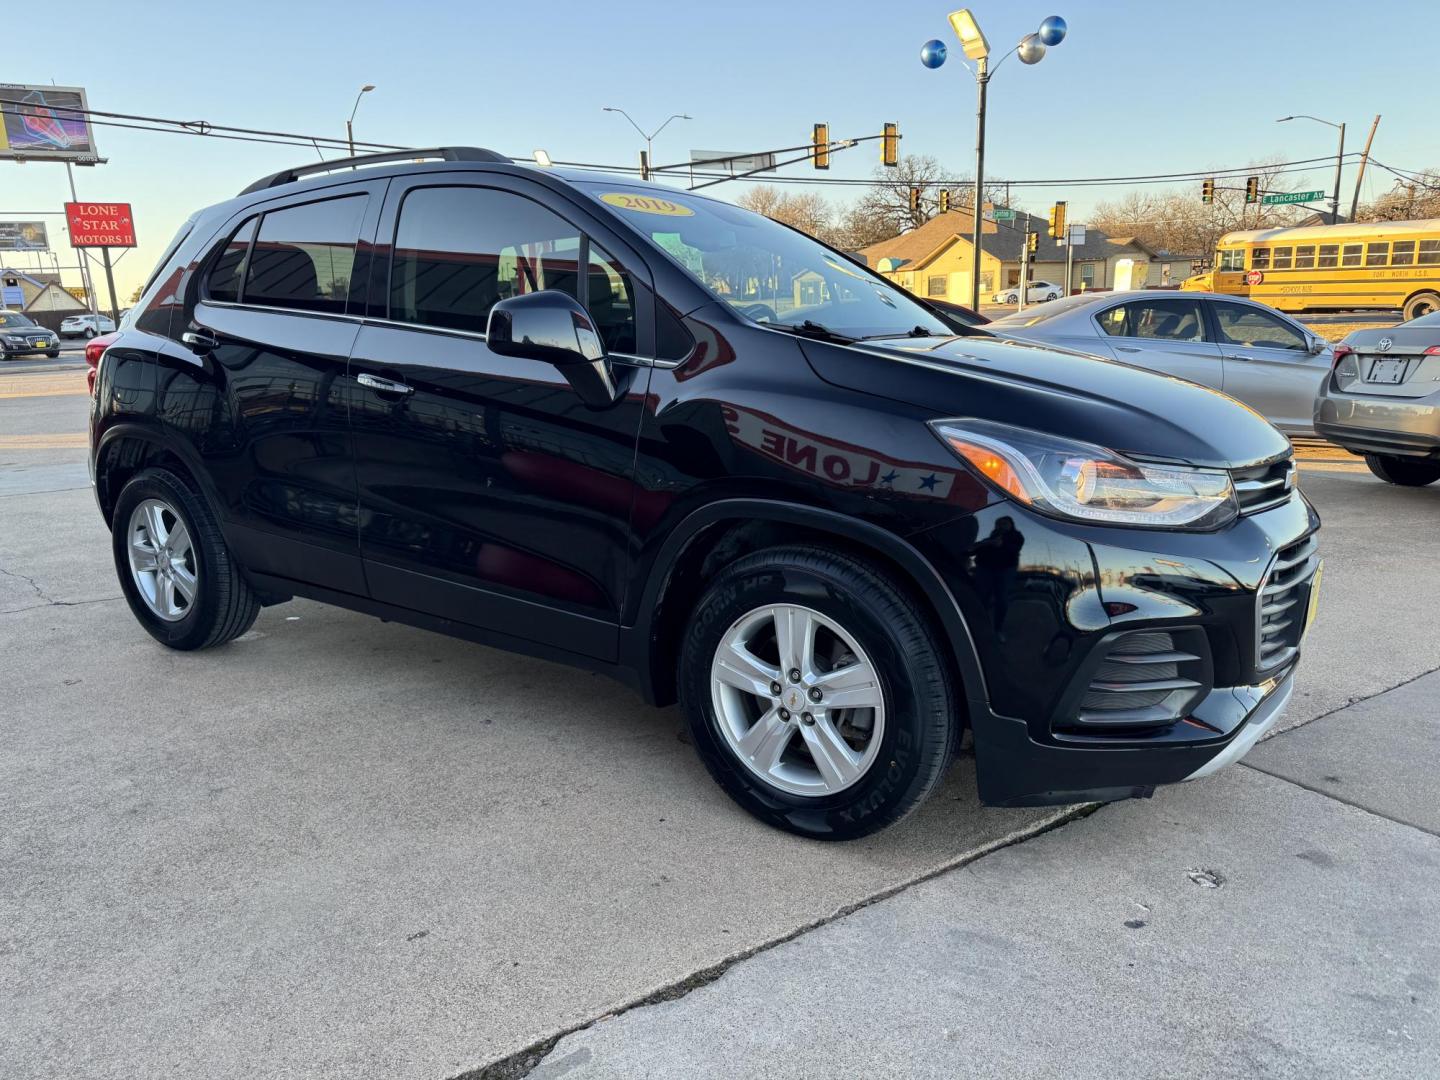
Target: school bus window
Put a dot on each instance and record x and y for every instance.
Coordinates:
(1305, 257)
(1260, 259)
(1351, 255)
(1430, 252)
(1377, 254)
(1402, 253)
(1231, 259)
(1329, 256)
(1282, 258)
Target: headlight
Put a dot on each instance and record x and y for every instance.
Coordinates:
(1088, 483)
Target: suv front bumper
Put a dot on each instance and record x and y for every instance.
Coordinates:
(1212, 621)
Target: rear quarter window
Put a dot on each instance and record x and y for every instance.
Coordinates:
(303, 256)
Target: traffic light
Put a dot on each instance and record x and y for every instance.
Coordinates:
(914, 200)
(1057, 221)
(1207, 191)
(820, 139)
(944, 201)
(1252, 189)
(1032, 242)
(890, 146)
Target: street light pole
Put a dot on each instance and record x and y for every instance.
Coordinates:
(350, 124)
(1031, 50)
(649, 138)
(1339, 159)
(982, 80)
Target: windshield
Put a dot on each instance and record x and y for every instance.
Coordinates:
(9, 319)
(766, 271)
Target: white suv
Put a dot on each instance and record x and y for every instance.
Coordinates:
(1037, 292)
(86, 326)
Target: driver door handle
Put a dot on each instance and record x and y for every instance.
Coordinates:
(1128, 348)
(383, 386)
(1236, 356)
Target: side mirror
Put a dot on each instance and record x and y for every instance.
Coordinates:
(1317, 345)
(552, 327)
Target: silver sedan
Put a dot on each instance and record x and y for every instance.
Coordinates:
(1247, 350)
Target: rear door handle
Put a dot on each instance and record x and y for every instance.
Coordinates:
(1128, 348)
(202, 341)
(1237, 357)
(383, 386)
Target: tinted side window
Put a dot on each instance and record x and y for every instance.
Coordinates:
(229, 268)
(459, 250)
(304, 255)
(1172, 319)
(1242, 325)
(611, 302)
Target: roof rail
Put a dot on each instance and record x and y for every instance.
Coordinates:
(444, 153)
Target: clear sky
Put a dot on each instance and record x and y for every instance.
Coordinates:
(1138, 87)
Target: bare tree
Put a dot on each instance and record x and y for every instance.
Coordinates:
(1410, 199)
(1178, 222)
(805, 211)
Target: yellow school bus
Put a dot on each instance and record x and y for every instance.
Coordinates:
(1379, 265)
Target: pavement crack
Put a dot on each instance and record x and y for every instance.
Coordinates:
(49, 601)
(1348, 702)
(522, 1062)
(1340, 798)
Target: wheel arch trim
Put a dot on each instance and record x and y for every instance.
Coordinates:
(165, 440)
(935, 591)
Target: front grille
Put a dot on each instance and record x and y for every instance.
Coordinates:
(1282, 603)
(1260, 487)
(1146, 679)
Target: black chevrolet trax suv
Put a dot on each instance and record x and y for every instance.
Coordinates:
(647, 433)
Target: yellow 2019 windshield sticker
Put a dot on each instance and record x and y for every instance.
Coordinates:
(646, 204)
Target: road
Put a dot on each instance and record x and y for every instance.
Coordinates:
(339, 847)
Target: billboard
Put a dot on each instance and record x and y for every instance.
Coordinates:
(100, 224)
(40, 123)
(23, 236)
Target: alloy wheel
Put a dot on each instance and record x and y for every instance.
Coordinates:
(797, 700)
(162, 560)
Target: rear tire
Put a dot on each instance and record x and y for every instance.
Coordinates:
(913, 725)
(90, 333)
(220, 605)
(1421, 304)
(1403, 471)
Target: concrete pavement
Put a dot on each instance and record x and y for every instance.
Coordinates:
(1240, 926)
(341, 847)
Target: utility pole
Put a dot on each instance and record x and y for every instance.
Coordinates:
(1339, 167)
(1024, 265)
(1360, 175)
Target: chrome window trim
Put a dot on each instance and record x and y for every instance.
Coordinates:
(368, 320)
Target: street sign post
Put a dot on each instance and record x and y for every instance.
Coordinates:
(103, 225)
(1286, 198)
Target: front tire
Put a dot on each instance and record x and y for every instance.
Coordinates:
(53, 354)
(1052, 296)
(90, 333)
(1012, 299)
(1403, 471)
(816, 693)
(177, 574)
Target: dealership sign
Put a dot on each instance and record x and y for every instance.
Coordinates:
(97, 224)
(23, 236)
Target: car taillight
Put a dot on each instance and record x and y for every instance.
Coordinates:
(1341, 351)
(1434, 350)
(94, 349)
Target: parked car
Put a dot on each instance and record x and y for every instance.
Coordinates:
(557, 412)
(1247, 350)
(1382, 400)
(86, 325)
(1035, 293)
(957, 317)
(20, 335)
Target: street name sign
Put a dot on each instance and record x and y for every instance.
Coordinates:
(1284, 198)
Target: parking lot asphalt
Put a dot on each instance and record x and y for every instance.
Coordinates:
(341, 847)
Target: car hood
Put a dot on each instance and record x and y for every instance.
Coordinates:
(1136, 412)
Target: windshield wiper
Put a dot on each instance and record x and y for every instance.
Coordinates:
(916, 331)
(813, 329)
